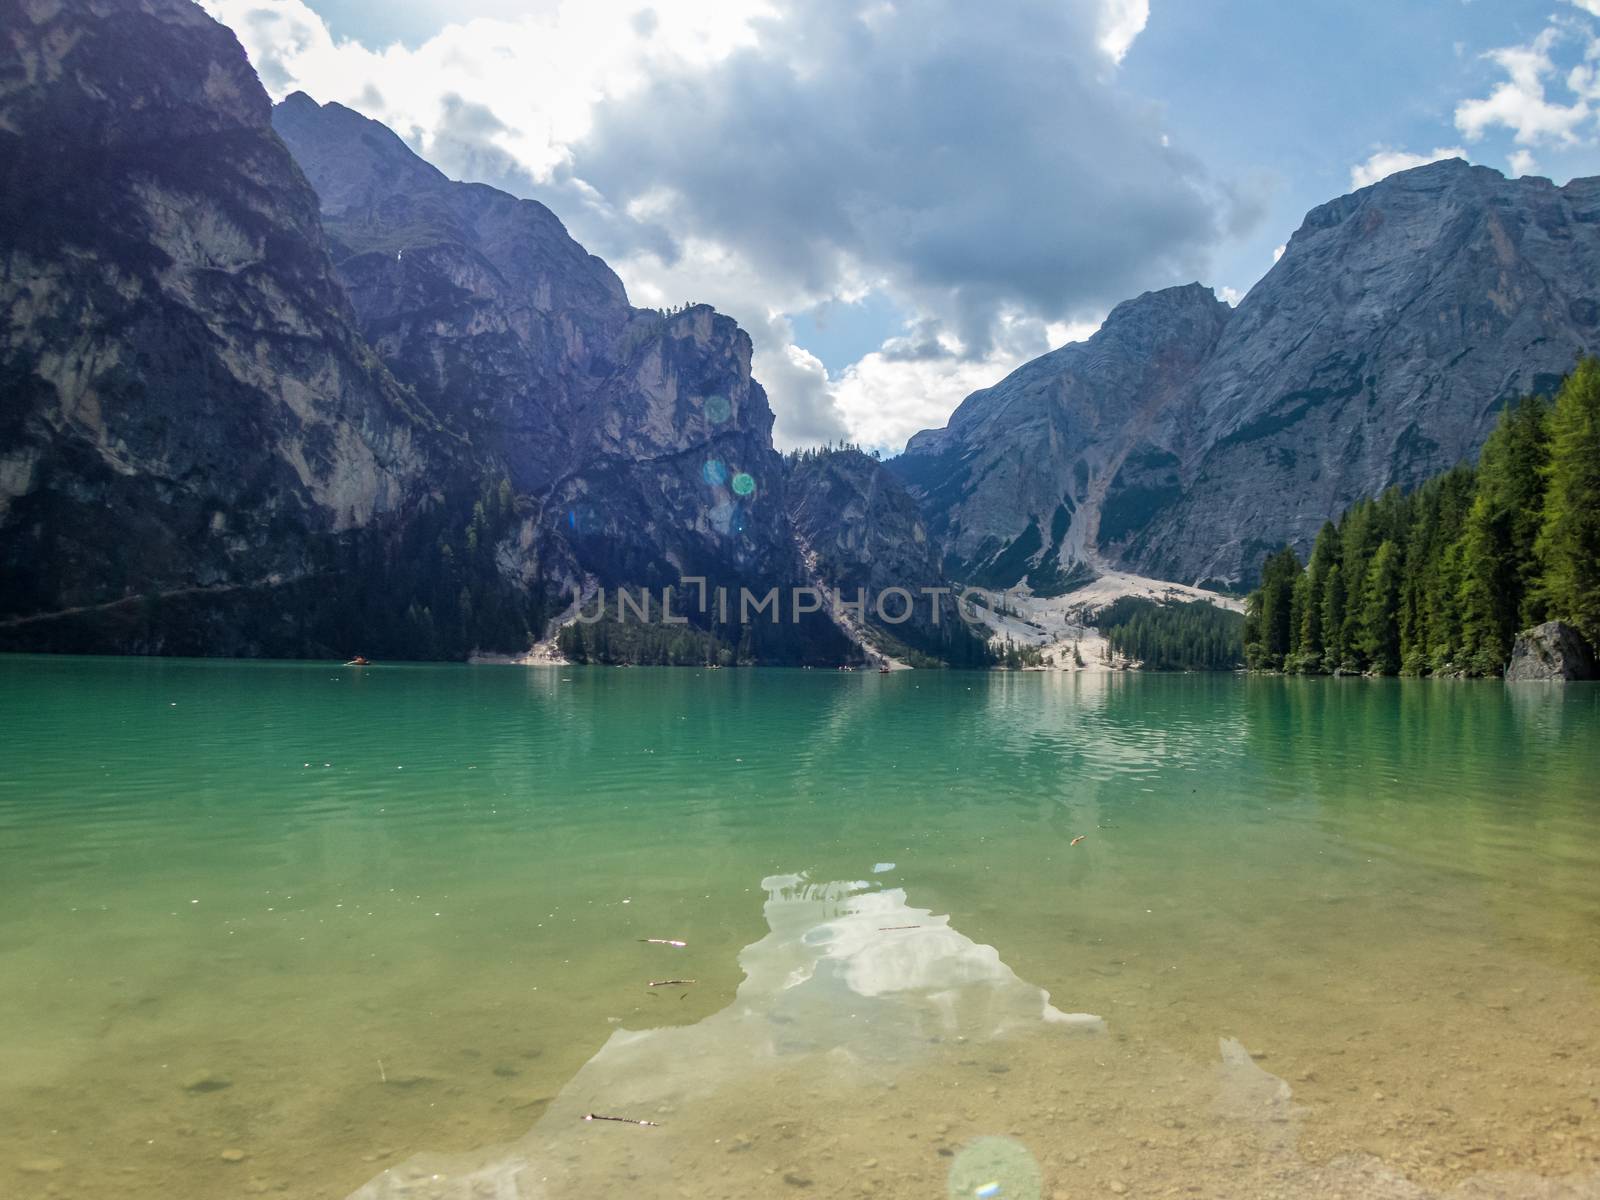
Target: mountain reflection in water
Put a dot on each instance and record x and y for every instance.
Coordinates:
(849, 981)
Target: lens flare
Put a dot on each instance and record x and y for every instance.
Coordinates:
(718, 409)
(714, 472)
(743, 484)
(995, 1168)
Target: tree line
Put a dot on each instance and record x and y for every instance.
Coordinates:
(1440, 580)
(1192, 636)
(811, 454)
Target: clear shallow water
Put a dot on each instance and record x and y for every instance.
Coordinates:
(1321, 937)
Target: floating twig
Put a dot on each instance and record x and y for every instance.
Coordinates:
(620, 1120)
(891, 928)
(668, 982)
(1077, 839)
(664, 942)
(382, 1078)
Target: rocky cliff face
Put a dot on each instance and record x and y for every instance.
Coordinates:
(864, 535)
(1376, 352)
(227, 431)
(479, 301)
(188, 407)
(639, 438)
(1015, 487)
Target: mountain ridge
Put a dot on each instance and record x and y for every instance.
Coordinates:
(639, 437)
(241, 419)
(156, 232)
(1375, 352)
(274, 384)
(1034, 454)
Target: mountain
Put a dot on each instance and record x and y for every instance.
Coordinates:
(271, 384)
(255, 406)
(189, 411)
(638, 437)
(1376, 352)
(864, 537)
(1015, 485)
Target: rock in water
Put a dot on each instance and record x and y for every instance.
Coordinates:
(206, 1081)
(1552, 651)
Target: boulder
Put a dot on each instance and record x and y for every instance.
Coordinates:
(1552, 651)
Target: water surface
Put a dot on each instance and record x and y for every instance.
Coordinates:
(298, 929)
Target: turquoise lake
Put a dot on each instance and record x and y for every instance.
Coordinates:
(296, 929)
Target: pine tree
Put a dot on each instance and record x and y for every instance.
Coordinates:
(1380, 628)
(1357, 542)
(1333, 606)
(1569, 539)
(1500, 566)
(1273, 626)
(1324, 556)
(1300, 600)
(1440, 580)
(1254, 652)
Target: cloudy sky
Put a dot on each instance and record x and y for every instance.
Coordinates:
(902, 200)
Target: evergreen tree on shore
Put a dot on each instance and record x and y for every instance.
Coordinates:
(1269, 626)
(1194, 636)
(1568, 547)
(1499, 565)
(1440, 580)
(1380, 628)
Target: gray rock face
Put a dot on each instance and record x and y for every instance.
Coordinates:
(227, 432)
(865, 535)
(479, 301)
(1016, 485)
(641, 439)
(1551, 652)
(187, 404)
(1377, 351)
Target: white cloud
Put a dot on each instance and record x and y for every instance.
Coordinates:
(803, 398)
(1121, 21)
(1522, 161)
(765, 156)
(541, 74)
(1230, 295)
(1277, 251)
(914, 382)
(1592, 7)
(1386, 162)
(1519, 103)
(885, 400)
(1072, 331)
